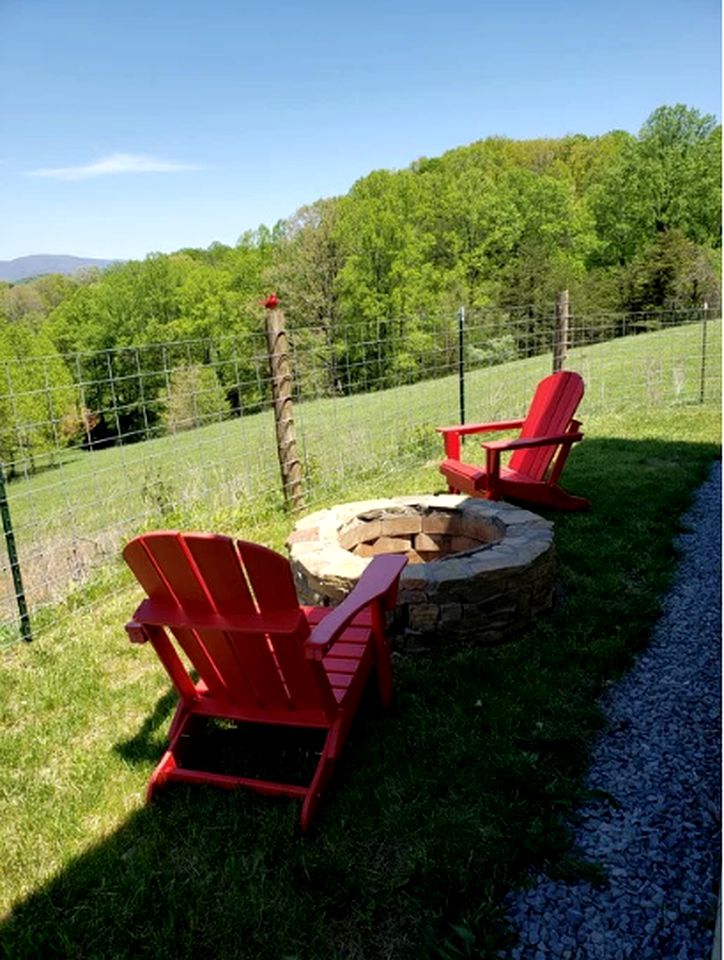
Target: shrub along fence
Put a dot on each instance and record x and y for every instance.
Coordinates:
(194, 433)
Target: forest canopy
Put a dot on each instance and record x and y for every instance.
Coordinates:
(625, 223)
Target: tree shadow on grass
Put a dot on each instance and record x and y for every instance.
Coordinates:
(435, 810)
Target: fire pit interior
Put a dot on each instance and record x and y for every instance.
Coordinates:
(423, 533)
(478, 570)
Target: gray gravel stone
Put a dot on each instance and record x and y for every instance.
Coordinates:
(660, 758)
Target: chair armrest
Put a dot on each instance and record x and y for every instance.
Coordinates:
(377, 583)
(493, 449)
(463, 429)
(136, 633)
(451, 435)
(521, 443)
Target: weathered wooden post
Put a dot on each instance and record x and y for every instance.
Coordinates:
(560, 334)
(281, 383)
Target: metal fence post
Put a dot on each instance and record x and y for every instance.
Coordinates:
(560, 334)
(461, 362)
(13, 559)
(702, 376)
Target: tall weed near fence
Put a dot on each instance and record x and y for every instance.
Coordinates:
(183, 434)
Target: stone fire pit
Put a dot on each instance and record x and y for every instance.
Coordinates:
(478, 570)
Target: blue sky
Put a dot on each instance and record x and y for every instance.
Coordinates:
(134, 127)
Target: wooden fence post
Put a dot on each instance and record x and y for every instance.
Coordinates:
(281, 384)
(560, 334)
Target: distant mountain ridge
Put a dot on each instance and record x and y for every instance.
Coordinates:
(23, 268)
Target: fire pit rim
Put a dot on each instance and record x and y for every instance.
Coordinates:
(526, 537)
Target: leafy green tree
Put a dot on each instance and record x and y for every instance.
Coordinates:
(668, 178)
(673, 272)
(304, 272)
(38, 403)
(194, 398)
(387, 273)
(474, 221)
(679, 172)
(555, 241)
(35, 298)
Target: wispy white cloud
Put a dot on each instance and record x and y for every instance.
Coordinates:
(113, 165)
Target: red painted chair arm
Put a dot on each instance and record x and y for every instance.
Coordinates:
(463, 429)
(451, 435)
(521, 443)
(136, 633)
(493, 449)
(377, 583)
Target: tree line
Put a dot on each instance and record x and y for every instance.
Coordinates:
(369, 281)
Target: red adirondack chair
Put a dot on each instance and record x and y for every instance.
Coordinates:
(539, 452)
(232, 608)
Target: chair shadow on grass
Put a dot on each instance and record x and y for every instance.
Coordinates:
(143, 745)
(227, 873)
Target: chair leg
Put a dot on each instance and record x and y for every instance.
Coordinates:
(567, 501)
(178, 721)
(320, 780)
(384, 675)
(182, 720)
(160, 775)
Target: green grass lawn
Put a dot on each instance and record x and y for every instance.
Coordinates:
(437, 808)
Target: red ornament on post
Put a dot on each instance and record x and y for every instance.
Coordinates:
(271, 301)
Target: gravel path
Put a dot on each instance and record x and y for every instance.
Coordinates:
(660, 758)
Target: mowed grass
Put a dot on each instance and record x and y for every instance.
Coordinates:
(71, 520)
(438, 807)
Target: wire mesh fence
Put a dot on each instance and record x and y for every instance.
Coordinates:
(98, 446)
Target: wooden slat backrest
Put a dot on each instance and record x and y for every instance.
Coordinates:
(148, 571)
(270, 579)
(247, 668)
(554, 403)
(205, 573)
